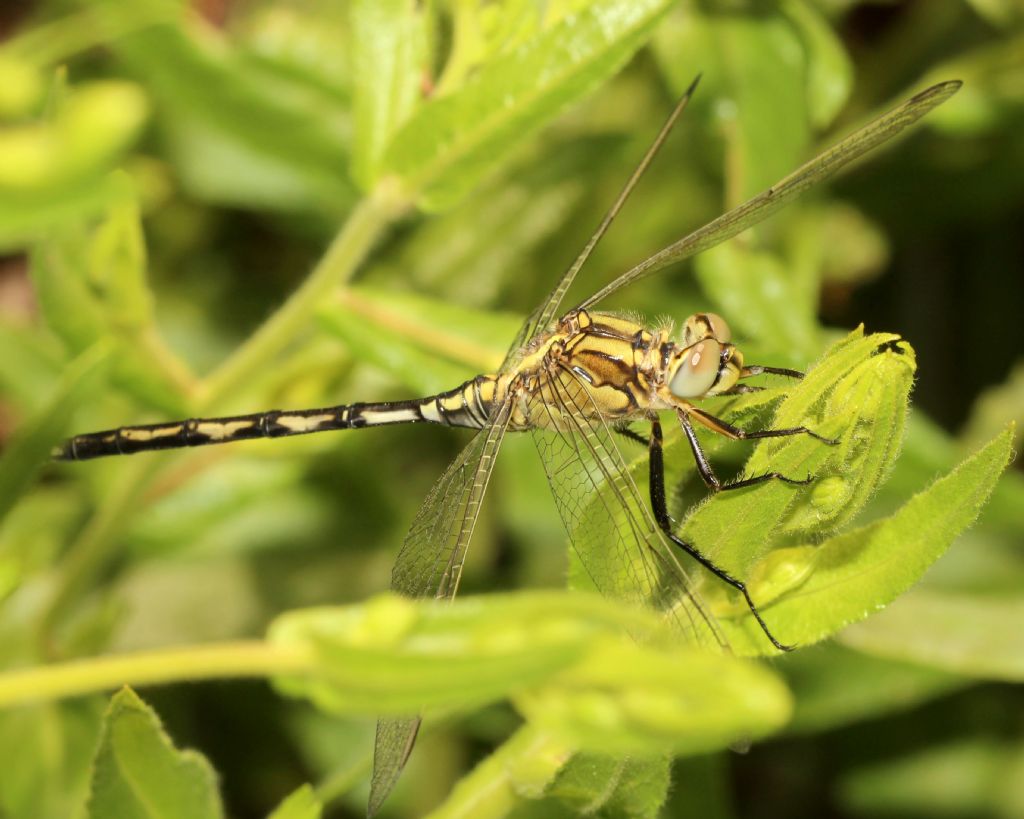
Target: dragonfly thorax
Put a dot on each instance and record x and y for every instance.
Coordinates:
(706, 363)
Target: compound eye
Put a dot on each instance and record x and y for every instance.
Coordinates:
(719, 328)
(698, 370)
(706, 325)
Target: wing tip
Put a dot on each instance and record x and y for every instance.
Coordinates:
(938, 93)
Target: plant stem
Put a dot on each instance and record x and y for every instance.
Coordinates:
(252, 658)
(364, 226)
(521, 768)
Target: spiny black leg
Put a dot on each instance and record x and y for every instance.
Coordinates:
(706, 472)
(703, 467)
(741, 389)
(767, 476)
(727, 429)
(757, 369)
(628, 432)
(660, 510)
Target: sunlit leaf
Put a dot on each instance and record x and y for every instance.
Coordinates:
(393, 656)
(853, 574)
(737, 527)
(117, 261)
(625, 699)
(48, 751)
(453, 141)
(762, 297)
(615, 787)
(971, 634)
(284, 130)
(114, 310)
(139, 774)
(388, 65)
(301, 804)
(754, 65)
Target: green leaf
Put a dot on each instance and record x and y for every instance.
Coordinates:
(834, 686)
(850, 575)
(762, 297)
(117, 261)
(854, 393)
(301, 804)
(977, 635)
(84, 311)
(217, 103)
(388, 66)
(520, 769)
(21, 86)
(592, 783)
(32, 443)
(139, 774)
(48, 749)
(829, 67)
(964, 776)
(52, 171)
(453, 141)
(628, 699)
(432, 345)
(91, 127)
(751, 63)
(30, 365)
(395, 656)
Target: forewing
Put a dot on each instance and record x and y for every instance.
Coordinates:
(767, 202)
(430, 565)
(609, 523)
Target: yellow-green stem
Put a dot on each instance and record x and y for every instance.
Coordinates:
(90, 676)
(364, 226)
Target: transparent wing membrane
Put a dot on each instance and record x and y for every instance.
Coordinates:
(430, 562)
(806, 176)
(430, 565)
(548, 310)
(608, 520)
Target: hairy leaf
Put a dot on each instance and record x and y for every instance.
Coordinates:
(139, 774)
(851, 575)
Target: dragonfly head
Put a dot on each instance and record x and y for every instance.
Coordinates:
(706, 363)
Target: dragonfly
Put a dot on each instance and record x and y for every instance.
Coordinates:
(575, 380)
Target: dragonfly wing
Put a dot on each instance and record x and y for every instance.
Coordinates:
(609, 522)
(526, 332)
(430, 565)
(391, 749)
(542, 317)
(767, 202)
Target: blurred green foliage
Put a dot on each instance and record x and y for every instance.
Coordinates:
(219, 207)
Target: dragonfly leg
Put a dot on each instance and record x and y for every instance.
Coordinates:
(741, 389)
(757, 369)
(730, 431)
(712, 481)
(628, 432)
(661, 517)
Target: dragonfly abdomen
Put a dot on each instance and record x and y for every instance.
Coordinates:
(466, 406)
